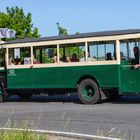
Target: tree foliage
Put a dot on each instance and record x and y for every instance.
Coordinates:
(15, 18)
(61, 31)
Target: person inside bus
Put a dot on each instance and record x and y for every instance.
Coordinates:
(17, 61)
(136, 55)
(83, 58)
(74, 58)
(122, 56)
(54, 58)
(66, 59)
(135, 61)
(108, 56)
(35, 61)
(123, 59)
(12, 62)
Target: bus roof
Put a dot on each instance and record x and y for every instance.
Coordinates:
(81, 35)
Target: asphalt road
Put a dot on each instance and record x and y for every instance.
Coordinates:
(63, 113)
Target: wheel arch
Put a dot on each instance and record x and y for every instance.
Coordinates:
(87, 76)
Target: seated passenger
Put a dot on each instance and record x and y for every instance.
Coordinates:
(108, 56)
(18, 61)
(35, 61)
(83, 58)
(74, 58)
(66, 59)
(12, 62)
(54, 58)
(122, 56)
(136, 54)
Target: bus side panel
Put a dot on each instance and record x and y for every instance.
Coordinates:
(67, 77)
(130, 79)
(19, 78)
(62, 77)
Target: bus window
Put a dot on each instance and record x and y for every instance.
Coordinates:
(130, 50)
(72, 52)
(19, 56)
(2, 57)
(102, 50)
(45, 54)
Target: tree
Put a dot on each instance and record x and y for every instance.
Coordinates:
(15, 19)
(61, 31)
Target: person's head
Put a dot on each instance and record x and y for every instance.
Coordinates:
(54, 59)
(12, 61)
(74, 56)
(136, 52)
(108, 56)
(68, 59)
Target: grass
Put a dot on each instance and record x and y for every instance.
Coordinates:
(115, 134)
(21, 135)
(24, 135)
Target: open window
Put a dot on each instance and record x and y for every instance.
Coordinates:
(19, 56)
(72, 52)
(102, 50)
(130, 50)
(45, 54)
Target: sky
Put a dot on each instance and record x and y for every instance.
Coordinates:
(79, 15)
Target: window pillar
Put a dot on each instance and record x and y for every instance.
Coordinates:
(32, 56)
(86, 50)
(118, 51)
(58, 53)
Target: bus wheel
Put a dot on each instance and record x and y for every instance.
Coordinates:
(25, 95)
(88, 91)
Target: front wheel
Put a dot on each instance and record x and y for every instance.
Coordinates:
(88, 91)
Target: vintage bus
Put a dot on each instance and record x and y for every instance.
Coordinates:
(94, 65)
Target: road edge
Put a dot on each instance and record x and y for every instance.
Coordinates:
(63, 134)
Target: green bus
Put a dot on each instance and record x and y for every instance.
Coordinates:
(94, 65)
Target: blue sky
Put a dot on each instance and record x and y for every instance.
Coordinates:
(79, 15)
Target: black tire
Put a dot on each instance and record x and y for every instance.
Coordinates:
(25, 95)
(88, 91)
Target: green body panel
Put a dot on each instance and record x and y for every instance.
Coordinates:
(3, 70)
(62, 77)
(129, 79)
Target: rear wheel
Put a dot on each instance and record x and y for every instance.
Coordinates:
(88, 91)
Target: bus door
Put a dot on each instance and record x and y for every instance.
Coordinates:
(129, 68)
